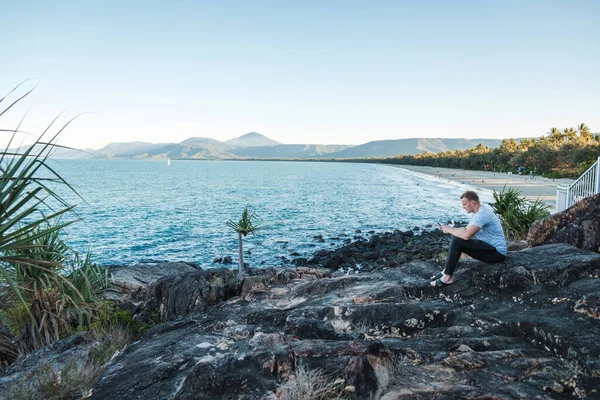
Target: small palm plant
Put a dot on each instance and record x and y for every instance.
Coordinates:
(517, 214)
(243, 227)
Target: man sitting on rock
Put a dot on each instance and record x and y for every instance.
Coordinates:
(483, 239)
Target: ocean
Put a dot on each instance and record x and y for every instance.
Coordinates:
(140, 211)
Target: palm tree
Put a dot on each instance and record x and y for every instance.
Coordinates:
(555, 135)
(584, 131)
(570, 134)
(243, 227)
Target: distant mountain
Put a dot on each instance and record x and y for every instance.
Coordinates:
(289, 151)
(127, 150)
(60, 152)
(255, 145)
(391, 148)
(85, 154)
(252, 139)
(197, 147)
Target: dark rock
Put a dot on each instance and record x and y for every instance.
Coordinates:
(519, 328)
(516, 245)
(322, 253)
(136, 277)
(308, 328)
(180, 295)
(152, 261)
(319, 238)
(579, 226)
(223, 260)
(386, 250)
(333, 263)
(300, 262)
(524, 328)
(60, 355)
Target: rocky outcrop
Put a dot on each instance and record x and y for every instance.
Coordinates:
(579, 226)
(386, 250)
(524, 328)
(75, 350)
(128, 279)
(177, 296)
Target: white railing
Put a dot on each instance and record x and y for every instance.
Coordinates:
(587, 185)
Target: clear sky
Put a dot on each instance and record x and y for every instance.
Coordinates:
(328, 72)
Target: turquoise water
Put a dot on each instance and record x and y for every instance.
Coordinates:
(140, 210)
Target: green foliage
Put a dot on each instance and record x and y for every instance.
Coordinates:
(110, 317)
(15, 318)
(25, 193)
(72, 378)
(243, 227)
(88, 279)
(558, 154)
(516, 213)
(33, 259)
(557, 175)
(72, 381)
(247, 224)
(56, 294)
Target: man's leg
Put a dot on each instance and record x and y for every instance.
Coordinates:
(482, 251)
(475, 248)
(454, 251)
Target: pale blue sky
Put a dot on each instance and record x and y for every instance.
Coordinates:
(344, 72)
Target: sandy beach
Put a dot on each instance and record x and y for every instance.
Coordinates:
(542, 188)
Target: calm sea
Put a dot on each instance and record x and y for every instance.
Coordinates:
(148, 210)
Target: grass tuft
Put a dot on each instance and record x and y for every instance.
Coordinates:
(309, 384)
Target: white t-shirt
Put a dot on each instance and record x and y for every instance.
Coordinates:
(491, 228)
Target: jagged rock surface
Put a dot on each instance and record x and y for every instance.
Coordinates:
(578, 225)
(386, 250)
(524, 328)
(137, 277)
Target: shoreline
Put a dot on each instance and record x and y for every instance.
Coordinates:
(531, 189)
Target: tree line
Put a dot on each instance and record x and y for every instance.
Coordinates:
(559, 153)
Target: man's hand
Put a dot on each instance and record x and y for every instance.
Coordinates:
(464, 233)
(445, 228)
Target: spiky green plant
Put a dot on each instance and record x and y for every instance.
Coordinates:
(246, 225)
(32, 256)
(516, 213)
(60, 295)
(25, 214)
(88, 279)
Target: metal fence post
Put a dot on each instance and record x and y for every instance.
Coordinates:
(598, 175)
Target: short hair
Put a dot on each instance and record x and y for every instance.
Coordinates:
(470, 195)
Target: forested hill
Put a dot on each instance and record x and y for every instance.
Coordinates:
(559, 153)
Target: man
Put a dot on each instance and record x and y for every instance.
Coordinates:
(483, 239)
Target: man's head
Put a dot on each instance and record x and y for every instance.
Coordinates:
(470, 201)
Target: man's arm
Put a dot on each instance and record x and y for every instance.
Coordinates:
(466, 233)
